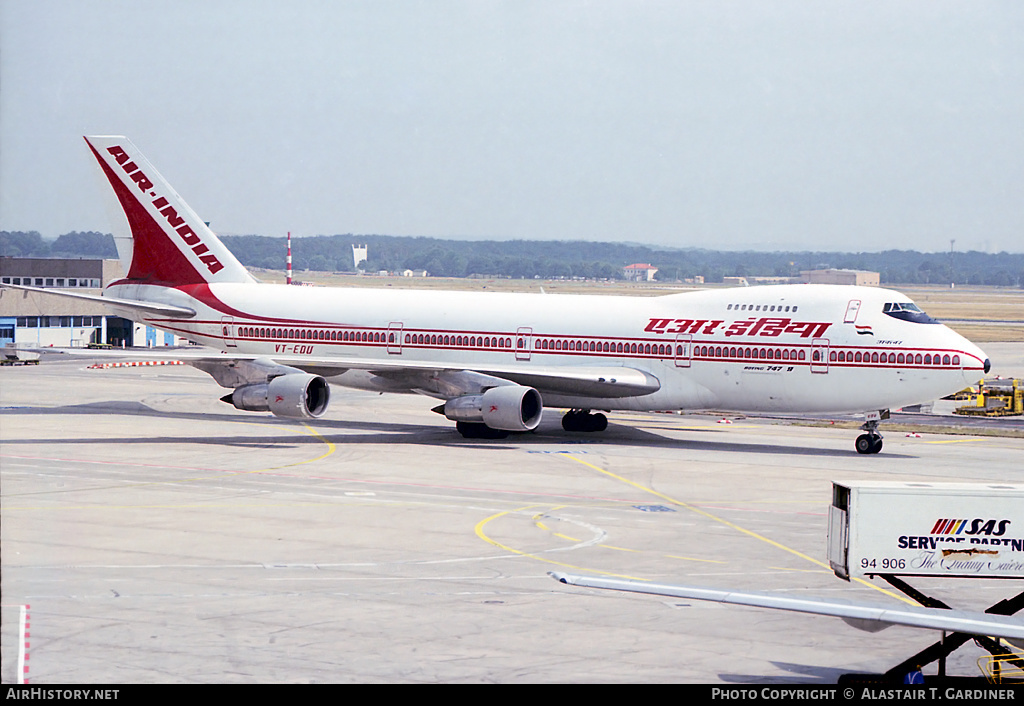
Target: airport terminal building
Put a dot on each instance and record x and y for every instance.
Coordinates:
(34, 319)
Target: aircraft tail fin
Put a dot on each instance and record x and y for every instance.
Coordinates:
(161, 240)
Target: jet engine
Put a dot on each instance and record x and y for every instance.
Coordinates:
(508, 408)
(296, 395)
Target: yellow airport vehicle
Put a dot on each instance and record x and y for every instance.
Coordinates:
(995, 400)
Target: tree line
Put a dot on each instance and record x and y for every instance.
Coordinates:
(524, 259)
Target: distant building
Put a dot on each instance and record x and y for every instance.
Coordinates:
(773, 280)
(639, 272)
(831, 276)
(62, 273)
(736, 281)
(358, 255)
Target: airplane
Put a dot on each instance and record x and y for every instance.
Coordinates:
(496, 360)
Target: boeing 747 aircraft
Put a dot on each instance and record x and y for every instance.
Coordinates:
(496, 360)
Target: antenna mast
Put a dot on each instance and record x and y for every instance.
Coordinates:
(288, 269)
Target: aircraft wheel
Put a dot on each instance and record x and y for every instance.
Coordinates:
(864, 444)
(584, 421)
(877, 445)
(571, 421)
(475, 430)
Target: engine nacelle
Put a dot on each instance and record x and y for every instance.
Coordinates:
(509, 408)
(296, 395)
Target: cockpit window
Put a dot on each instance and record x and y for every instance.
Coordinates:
(905, 306)
(907, 311)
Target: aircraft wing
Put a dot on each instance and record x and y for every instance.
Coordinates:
(871, 618)
(435, 378)
(145, 308)
(583, 381)
(446, 380)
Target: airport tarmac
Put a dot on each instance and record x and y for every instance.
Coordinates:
(156, 534)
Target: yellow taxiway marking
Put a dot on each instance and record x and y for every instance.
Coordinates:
(800, 571)
(690, 558)
(316, 435)
(480, 533)
(729, 524)
(955, 441)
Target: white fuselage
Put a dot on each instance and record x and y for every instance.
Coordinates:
(786, 348)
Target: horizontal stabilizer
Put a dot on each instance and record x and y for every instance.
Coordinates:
(149, 308)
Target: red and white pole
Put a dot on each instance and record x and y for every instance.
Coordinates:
(288, 270)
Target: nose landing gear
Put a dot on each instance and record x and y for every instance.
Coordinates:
(871, 442)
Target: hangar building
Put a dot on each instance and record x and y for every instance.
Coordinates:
(861, 278)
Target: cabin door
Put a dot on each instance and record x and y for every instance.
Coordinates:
(227, 329)
(395, 338)
(819, 355)
(524, 342)
(684, 341)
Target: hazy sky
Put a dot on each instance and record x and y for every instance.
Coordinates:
(860, 125)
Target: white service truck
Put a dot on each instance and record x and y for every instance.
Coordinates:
(963, 530)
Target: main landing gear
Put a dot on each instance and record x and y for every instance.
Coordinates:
(476, 430)
(583, 420)
(871, 442)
